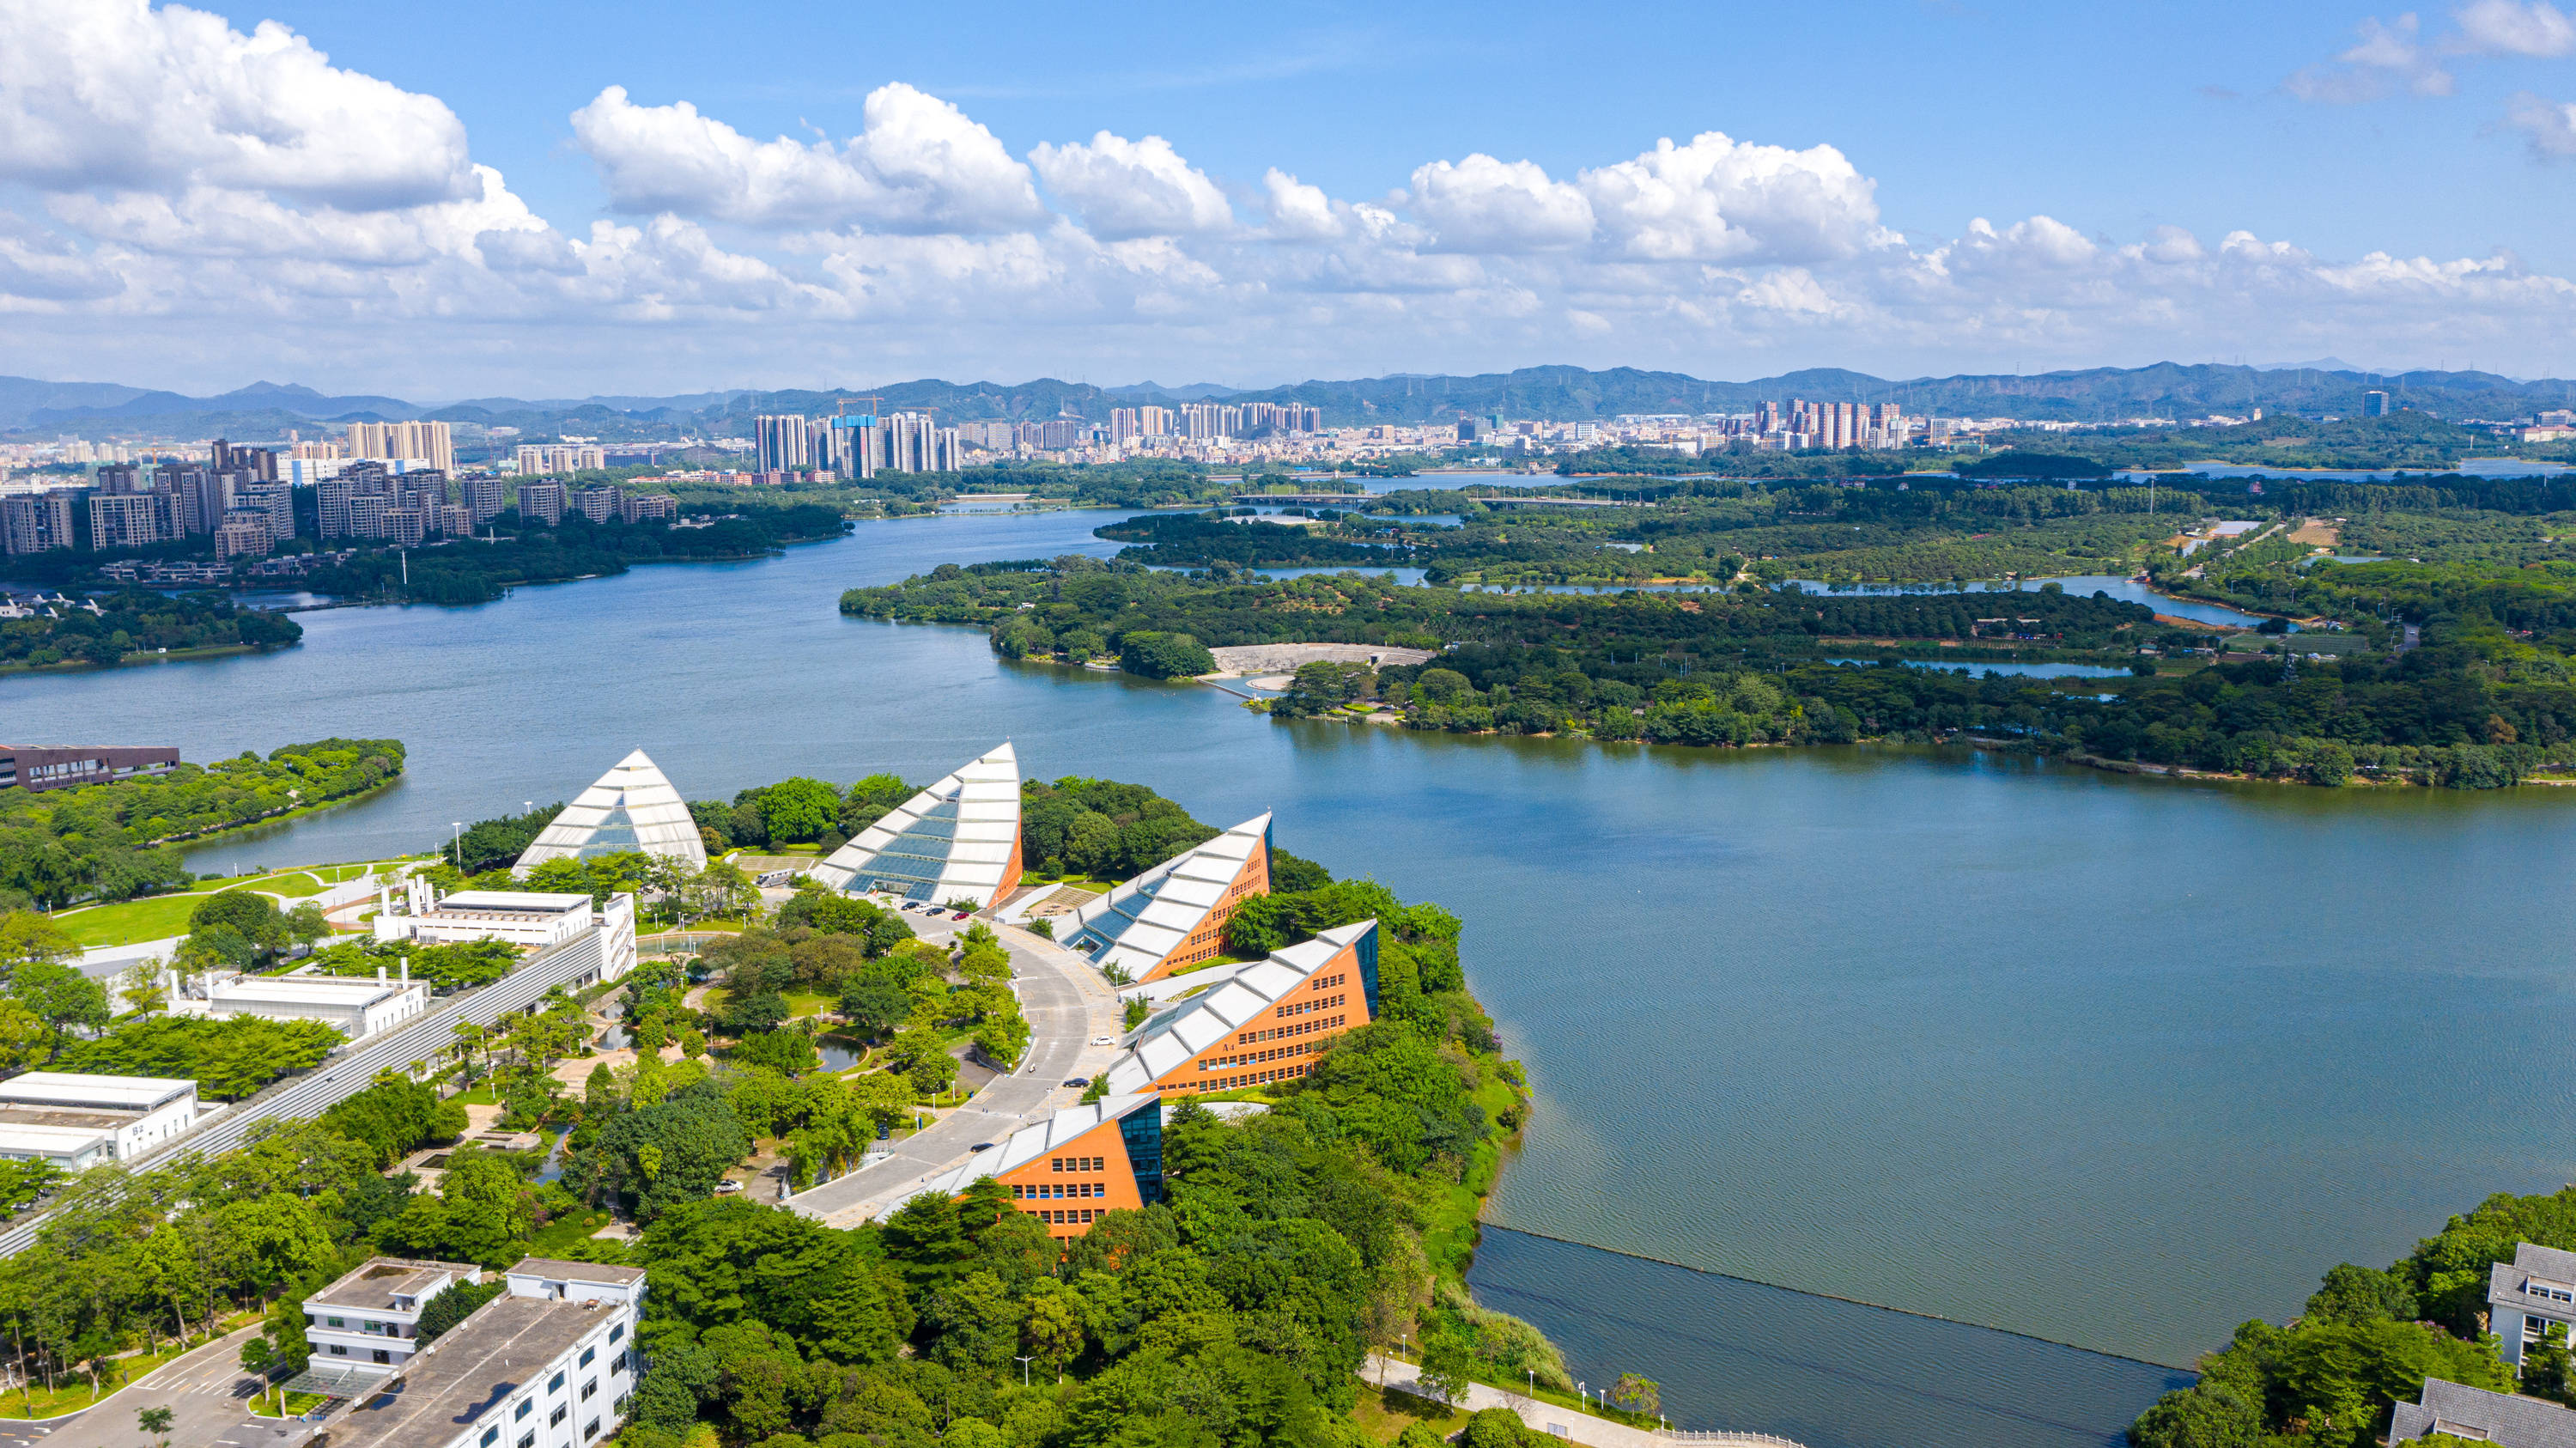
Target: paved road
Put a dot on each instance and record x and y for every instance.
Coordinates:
(346, 1074)
(1559, 1421)
(1067, 1004)
(207, 1392)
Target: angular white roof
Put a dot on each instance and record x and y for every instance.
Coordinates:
(1025, 1145)
(1139, 923)
(1175, 1036)
(634, 793)
(952, 841)
(96, 1093)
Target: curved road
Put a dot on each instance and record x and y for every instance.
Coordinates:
(1067, 1004)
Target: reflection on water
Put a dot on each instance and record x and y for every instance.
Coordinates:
(1731, 1354)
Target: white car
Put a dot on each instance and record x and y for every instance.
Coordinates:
(1104, 1040)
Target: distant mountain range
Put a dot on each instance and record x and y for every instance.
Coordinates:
(266, 410)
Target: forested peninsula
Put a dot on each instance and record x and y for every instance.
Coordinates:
(2471, 707)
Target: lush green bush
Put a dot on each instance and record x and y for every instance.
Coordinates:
(228, 1059)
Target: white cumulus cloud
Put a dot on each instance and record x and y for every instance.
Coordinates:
(2515, 27)
(2550, 126)
(920, 165)
(1717, 199)
(1485, 205)
(113, 93)
(1124, 189)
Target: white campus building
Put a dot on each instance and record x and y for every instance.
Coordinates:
(532, 919)
(631, 807)
(550, 1363)
(76, 1121)
(353, 1005)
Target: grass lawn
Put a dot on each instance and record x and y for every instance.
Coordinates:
(563, 1236)
(807, 1002)
(155, 917)
(265, 1405)
(1382, 1413)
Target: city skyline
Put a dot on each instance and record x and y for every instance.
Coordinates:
(1356, 195)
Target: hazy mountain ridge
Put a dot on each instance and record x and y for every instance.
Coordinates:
(266, 410)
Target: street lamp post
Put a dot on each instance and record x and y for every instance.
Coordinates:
(1024, 1371)
(459, 827)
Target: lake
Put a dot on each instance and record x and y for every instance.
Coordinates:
(2113, 1061)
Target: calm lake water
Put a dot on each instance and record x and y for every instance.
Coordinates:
(2112, 1061)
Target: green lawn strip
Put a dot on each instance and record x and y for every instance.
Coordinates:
(811, 1002)
(71, 1392)
(154, 917)
(564, 1235)
(296, 1405)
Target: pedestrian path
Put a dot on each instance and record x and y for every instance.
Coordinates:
(1564, 1422)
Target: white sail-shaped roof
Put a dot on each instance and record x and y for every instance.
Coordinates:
(633, 796)
(1138, 925)
(955, 840)
(1163, 1043)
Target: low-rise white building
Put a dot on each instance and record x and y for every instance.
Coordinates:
(2531, 1298)
(551, 1363)
(365, 1327)
(354, 1005)
(76, 1121)
(537, 920)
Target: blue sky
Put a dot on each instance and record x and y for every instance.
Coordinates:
(1899, 188)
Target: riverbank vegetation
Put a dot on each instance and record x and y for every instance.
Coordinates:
(105, 841)
(135, 623)
(468, 571)
(2368, 1339)
(2472, 707)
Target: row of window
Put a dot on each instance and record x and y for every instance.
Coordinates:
(378, 1329)
(1068, 1216)
(1060, 1189)
(1078, 1163)
(1275, 1053)
(1249, 1078)
(1294, 1028)
(2532, 1288)
(1326, 982)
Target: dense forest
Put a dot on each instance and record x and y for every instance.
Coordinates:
(2367, 1339)
(100, 840)
(138, 621)
(2472, 707)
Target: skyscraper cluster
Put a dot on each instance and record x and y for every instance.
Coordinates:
(855, 445)
(1831, 425)
(427, 441)
(235, 498)
(537, 460)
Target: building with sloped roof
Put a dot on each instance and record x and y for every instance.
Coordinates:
(1173, 916)
(957, 840)
(1074, 1166)
(1264, 1024)
(2505, 1419)
(2531, 1297)
(631, 807)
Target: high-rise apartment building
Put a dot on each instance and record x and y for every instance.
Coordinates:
(427, 441)
(126, 520)
(542, 503)
(2374, 404)
(352, 503)
(783, 441)
(35, 522)
(259, 462)
(542, 458)
(484, 495)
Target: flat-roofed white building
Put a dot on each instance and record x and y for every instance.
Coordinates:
(365, 1326)
(534, 919)
(76, 1120)
(957, 840)
(550, 1363)
(354, 1005)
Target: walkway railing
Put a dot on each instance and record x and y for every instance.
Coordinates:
(1747, 1440)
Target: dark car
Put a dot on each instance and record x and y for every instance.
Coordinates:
(981, 1146)
(1077, 1081)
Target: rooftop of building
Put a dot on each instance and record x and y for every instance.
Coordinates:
(47, 1140)
(524, 902)
(2505, 1419)
(576, 1271)
(374, 1284)
(339, 990)
(1200, 1022)
(471, 1372)
(64, 1118)
(2530, 1266)
(72, 1088)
